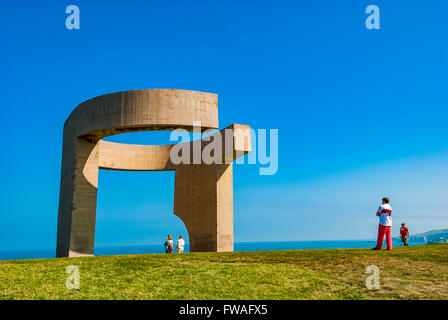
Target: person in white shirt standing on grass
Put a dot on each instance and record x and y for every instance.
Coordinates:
(385, 225)
(180, 244)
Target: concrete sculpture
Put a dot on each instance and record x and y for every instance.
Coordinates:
(203, 192)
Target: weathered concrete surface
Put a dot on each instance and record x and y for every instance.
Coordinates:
(203, 196)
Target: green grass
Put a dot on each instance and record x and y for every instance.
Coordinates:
(419, 272)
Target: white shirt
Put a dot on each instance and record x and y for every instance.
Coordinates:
(180, 243)
(385, 211)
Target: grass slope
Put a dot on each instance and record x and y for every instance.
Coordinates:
(419, 272)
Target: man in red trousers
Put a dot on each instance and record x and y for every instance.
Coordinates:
(384, 228)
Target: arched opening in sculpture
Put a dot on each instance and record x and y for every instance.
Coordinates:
(135, 212)
(203, 196)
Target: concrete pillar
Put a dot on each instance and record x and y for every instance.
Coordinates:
(203, 200)
(77, 210)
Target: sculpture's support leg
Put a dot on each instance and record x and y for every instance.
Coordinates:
(224, 187)
(77, 205)
(203, 199)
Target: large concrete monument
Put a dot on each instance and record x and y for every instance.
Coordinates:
(203, 191)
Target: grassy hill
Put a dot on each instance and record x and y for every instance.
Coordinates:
(430, 235)
(418, 272)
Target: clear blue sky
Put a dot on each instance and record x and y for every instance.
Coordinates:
(360, 113)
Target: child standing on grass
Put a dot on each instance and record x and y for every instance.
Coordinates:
(385, 225)
(180, 244)
(404, 234)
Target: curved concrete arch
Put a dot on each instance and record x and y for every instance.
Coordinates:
(203, 197)
(142, 110)
(130, 157)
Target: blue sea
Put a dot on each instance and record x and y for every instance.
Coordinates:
(239, 246)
